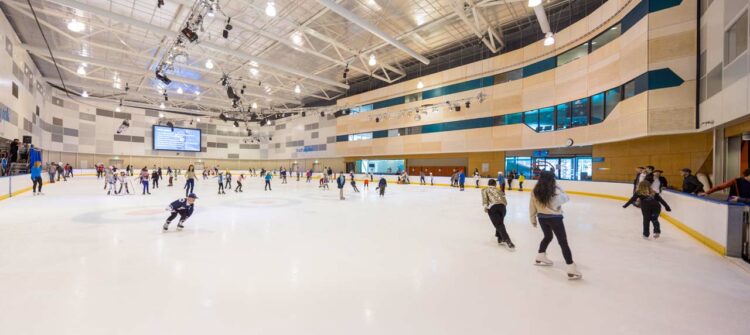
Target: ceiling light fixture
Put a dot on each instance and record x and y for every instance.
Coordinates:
(81, 70)
(209, 64)
(297, 38)
(197, 92)
(270, 9)
(76, 26)
(372, 61)
(297, 90)
(179, 90)
(420, 85)
(254, 105)
(549, 39)
(227, 28)
(162, 107)
(534, 3)
(254, 71)
(85, 94)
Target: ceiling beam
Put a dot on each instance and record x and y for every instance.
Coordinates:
(169, 33)
(333, 6)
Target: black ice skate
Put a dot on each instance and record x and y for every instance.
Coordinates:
(180, 226)
(166, 226)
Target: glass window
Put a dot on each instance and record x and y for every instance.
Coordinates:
(360, 137)
(597, 108)
(580, 112)
(514, 118)
(573, 54)
(612, 98)
(382, 166)
(531, 119)
(393, 133)
(713, 81)
(629, 89)
(413, 97)
(360, 109)
(584, 168)
(547, 119)
(508, 76)
(563, 116)
(735, 40)
(605, 37)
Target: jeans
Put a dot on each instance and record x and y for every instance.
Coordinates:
(497, 216)
(650, 215)
(145, 186)
(267, 186)
(552, 226)
(37, 181)
(189, 186)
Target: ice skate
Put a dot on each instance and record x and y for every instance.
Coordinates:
(542, 260)
(166, 226)
(510, 244)
(573, 273)
(656, 235)
(180, 226)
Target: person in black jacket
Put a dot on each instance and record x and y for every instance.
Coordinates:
(660, 181)
(382, 185)
(651, 203)
(690, 183)
(182, 207)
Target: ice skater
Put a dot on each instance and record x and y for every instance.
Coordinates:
(239, 183)
(228, 180)
(144, 180)
(382, 184)
(340, 183)
(461, 179)
(476, 178)
(170, 174)
(422, 181)
(432, 180)
(651, 203)
(220, 177)
(112, 182)
(521, 179)
(155, 179)
(494, 202)
(354, 185)
(366, 183)
(545, 207)
(190, 179)
(123, 182)
(36, 178)
(182, 207)
(268, 178)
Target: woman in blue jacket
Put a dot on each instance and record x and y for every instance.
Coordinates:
(36, 177)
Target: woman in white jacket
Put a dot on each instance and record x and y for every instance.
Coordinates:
(545, 207)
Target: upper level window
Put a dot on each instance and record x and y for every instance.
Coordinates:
(360, 109)
(413, 97)
(547, 119)
(597, 108)
(580, 114)
(508, 76)
(531, 119)
(611, 100)
(735, 39)
(573, 54)
(608, 36)
(563, 116)
(360, 137)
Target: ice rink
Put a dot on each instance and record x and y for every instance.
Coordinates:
(296, 260)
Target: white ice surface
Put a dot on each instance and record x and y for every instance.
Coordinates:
(422, 260)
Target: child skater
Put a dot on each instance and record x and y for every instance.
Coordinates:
(123, 182)
(112, 182)
(220, 177)
(183, 207)
(494, 202)
(354, 184)
(228, 180)
(651, 203)
(155, 179)
(366, 183)
(324, 182)
(144, 180)
(239, 183)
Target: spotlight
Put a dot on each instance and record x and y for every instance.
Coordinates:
(189, 34)
(304, 114)
(124, 126)
(417, 117)
(534, 3)
(162, 106)
(457, 108)
(81, 70)
(197, 119)
(372, 61)
(254, 105)
(271, 9)
(85, 94)
(159, 75)
(322, 114)
(170, 125)
(159, 3)
(76, 26)
(270, 138)
(223, 117)
(236, 124)
(468, 104)
(179, 90)
(227, 28)
(209, 64)
(297, 90)
(377, 119)
(549, 39)
(249, 132)
(420, 85)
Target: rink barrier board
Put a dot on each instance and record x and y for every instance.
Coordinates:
(708, 242)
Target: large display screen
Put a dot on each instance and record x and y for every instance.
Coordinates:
(177, 139)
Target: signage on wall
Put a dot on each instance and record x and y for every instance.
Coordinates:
(597, 159)
(541, 153)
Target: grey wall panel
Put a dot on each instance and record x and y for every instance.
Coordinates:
(57, 138)
(122, 138)
(104, 112)
(233, 156)
(137, 139)
(27, 125)
(152, 113)
(104, 147)
(70, 132)
(314, 134)
(57, 102)
(125, 116)
(57, 121)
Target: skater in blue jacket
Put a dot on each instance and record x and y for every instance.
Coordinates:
(182, 207)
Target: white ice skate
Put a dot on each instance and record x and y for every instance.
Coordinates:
(573, 273)
(180, 226)
(166, 226)
(542, 260)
